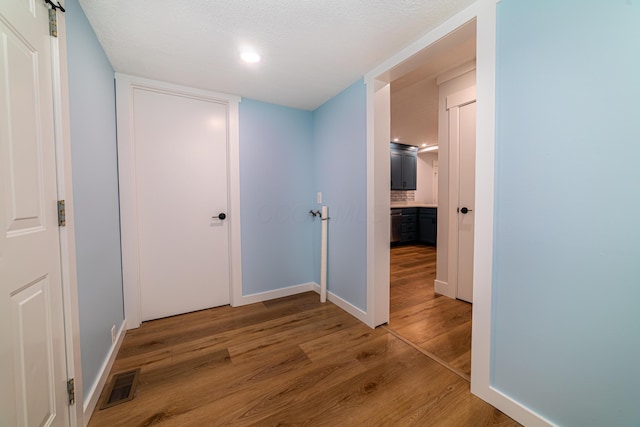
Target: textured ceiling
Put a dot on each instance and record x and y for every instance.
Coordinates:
(311, 49)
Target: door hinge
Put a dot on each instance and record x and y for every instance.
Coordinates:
(62, 217)
(53, 16)
(53, 23)
(71, 391)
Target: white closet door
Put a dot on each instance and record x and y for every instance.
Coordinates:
(180, 147)
(33, 372)
(461, 108)
(466, 199)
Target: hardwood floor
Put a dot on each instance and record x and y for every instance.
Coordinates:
(439, 325)
(290, 361)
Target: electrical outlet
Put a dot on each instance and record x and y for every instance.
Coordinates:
(113, 334)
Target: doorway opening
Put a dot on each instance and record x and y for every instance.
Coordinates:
(428, 96)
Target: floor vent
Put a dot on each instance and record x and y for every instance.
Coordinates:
(121, 389)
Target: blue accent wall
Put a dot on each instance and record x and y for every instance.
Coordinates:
(566, 336)
(95, 192)
(286, 156)
(276, 194)
(339, 142)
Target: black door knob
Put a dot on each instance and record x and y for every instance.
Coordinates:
(465, 210)
(220, 216)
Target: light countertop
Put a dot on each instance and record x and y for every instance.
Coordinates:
(395, 205)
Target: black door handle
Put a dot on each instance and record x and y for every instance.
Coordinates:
(465, 210)
(220, 216)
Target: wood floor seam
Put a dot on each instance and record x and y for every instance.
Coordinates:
(428, 354)
(439, 325)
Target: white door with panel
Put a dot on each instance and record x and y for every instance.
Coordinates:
(462, 144)
(180, 145)
(32, 343)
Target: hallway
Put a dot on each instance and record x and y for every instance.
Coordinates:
(289, 361)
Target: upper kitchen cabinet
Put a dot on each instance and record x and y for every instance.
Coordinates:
(404, 160)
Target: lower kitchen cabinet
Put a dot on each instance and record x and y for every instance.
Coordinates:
(419, 225)
(428, 225)
(409, 225)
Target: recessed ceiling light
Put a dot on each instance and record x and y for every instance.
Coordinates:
(250, 57)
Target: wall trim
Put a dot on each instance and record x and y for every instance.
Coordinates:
(273, 294)
(456, 72)
(378, 202)
(235, 241)
(96, 389)
(443, 288)
(344, 305)
(299, 289)
(62, 142)
(527, 416)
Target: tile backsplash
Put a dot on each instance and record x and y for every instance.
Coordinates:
(403, 196)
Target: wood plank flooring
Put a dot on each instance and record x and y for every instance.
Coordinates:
(439, 325)
(290, 361)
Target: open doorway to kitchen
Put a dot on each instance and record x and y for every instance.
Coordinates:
(425, 307)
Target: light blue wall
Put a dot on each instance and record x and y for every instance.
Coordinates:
(95, 192)
(566, 338)
(276, 194)
(339, 141)
(286, 156)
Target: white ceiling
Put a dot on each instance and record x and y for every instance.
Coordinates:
(311, 49)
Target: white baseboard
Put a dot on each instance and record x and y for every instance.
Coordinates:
(343, 304)
(298, 289)
(513, 408)
(276, 293)
(443, 288)
(94, 394)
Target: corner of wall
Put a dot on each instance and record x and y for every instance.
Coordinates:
(346, 306)
(92, 397)
(275, 293)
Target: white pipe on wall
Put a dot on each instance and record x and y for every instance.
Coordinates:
(323, 255)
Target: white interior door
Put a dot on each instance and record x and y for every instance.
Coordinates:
(461, 108)
(180, 147)
(466, 200)
(32, 343)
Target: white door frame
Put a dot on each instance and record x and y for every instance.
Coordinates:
(125, 84)
(455, 100)
(378, 119)
(62, 140)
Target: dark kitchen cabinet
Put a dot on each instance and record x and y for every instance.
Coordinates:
(404, 161)
(396, 169)
(418, 225)
(409, 225)
(428, 225)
